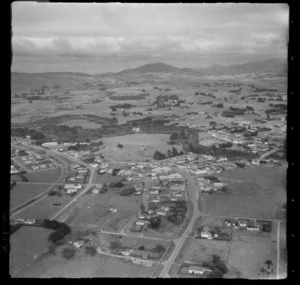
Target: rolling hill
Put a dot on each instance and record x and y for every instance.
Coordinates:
(25, 81)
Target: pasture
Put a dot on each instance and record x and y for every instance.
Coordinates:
(136, 147)
(248, 255)
(202, 250)
(43, 209)
(85, 267)
(47, 176)
(24, 192)
(260, 195)
(26, 244)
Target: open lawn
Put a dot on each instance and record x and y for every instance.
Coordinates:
(24, 192)
(83, 267)
(26, 244)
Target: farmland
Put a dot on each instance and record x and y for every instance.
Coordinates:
(248, 255)
(83, 267)
(260, 195)
(24, 192)
(26, 244)
(47, 176)
(96, 210)
(43, 209)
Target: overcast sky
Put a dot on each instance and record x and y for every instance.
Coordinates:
(96, 38)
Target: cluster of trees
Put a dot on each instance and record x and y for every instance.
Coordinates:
(155, 222)
(128, 97)
(84, 147)
(104, 188)
(212, 178)
(122, 106)
(60, 230)
(117, 184)
(120, 145)
(218, 267)
(177, 212)
(170, 153)
(126, 191)
(226, 145)
(219, 105)
(214, 151)
(23, 132)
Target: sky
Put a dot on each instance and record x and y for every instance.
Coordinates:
(97, 38)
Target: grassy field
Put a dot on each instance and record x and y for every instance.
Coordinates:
(261, 195)
(138, 147)
(24, 192)
(202, 250)
(48, 176)
(117, 221)
(132, 242)
(166, 230)
(248, 254)
(95, 210)
(105, 178)
(26, 244)
(44, 208)
(83, 267)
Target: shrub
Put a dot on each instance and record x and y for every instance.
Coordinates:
(141, 247)
(120, 145)
(159, 248)
(118, 184)
(127, 191)
(155, 222)
(90, 250)
(68, 252)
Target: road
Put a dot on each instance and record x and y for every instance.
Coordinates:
(268, 153)
(88, 186)
(193, 197)
(37, 198)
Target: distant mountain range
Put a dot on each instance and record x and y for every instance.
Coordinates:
(20, 81)
(268, 66)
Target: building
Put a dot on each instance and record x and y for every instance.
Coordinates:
(199, 270)
(141, 222)
(50, 144)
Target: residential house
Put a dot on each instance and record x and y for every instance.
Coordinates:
(199, 270)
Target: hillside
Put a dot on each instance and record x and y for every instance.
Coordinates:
(153, 71)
